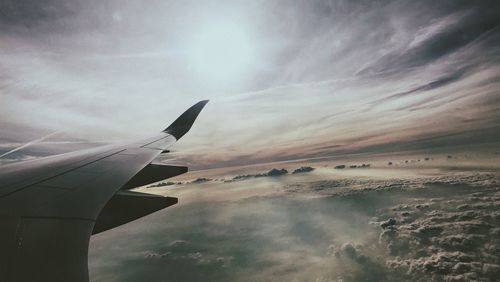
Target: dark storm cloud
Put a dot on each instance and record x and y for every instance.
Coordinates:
(32, 15)
(382, 37)
(455, 76)
(467, 25)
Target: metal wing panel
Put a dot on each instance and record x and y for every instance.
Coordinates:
(47, 249)
(161, 142)
(79, 193)
(17, 176)
(47, 226)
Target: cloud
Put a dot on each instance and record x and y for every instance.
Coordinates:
(378, 75)
(442, 239)
(25, 15)
(303, 169)
(318, 229)
(274, 172)
(440, 82)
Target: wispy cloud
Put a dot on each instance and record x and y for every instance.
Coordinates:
(326, 77)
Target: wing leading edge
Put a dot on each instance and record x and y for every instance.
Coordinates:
(50, 207)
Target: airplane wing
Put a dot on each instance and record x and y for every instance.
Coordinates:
(49, 207)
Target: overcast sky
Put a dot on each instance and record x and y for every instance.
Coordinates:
(286, 79)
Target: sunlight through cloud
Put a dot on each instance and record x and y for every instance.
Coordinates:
(221, 52)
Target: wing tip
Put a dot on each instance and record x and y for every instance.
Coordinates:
(184, 122)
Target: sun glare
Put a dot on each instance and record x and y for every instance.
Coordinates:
(221, 52)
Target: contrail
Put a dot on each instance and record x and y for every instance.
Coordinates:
(28, 144)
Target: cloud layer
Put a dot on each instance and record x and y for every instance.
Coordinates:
(313, 227)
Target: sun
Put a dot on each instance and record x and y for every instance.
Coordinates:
(221, 52)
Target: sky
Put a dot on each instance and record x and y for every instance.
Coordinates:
(285, 79)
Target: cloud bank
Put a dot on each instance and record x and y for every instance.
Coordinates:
(332, 228)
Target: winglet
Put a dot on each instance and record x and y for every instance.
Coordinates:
(184, 122)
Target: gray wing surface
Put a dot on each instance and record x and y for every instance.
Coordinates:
(49, 207)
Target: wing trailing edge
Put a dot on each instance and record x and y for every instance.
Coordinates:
(153, 173)
(126, 206)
